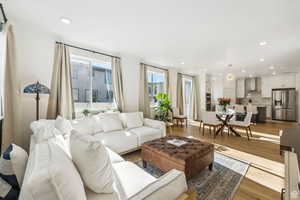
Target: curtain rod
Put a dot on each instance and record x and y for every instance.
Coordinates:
(72, 46)
(3, 13)
(155, 67)
(186, 74)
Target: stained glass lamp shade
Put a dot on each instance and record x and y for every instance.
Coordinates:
(36, 88)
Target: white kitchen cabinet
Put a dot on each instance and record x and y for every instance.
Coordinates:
(266, 86)
(279, 81)
(240, 88)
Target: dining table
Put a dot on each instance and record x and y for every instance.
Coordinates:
(225, 118)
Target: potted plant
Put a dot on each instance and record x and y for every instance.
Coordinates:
(86, 112)
(224, 102)
(163, 107)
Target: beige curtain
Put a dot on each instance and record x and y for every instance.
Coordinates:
(179, 103)
(168, 90)
(144, 104)
(117, 83)
(61, 98)
(195, 99)
(12, 109)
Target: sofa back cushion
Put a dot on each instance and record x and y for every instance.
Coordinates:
(12, 165)
(92, 161)
(132, 120)
(63, 125)
(51, 175)
(110, 122)
(88, 125)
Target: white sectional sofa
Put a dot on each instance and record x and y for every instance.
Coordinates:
(127, 138)
(135, 183)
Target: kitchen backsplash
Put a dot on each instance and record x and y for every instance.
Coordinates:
(256, 98)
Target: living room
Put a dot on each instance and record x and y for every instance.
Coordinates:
(209, 72)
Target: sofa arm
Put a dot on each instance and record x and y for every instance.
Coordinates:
(156, 124)
(168, 187)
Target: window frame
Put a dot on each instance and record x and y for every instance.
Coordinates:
(156, 71)
(87, 102)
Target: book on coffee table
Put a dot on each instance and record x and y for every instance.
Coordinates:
(177, 142)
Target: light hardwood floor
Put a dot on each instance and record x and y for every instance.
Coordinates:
(265, 176)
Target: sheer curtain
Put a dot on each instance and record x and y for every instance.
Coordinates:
(117, 83)
(179, 102)
(11, 124)
(61, 98)
(144, 104)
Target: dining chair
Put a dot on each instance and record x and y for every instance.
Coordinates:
(210, 120)
(243, 124)
(239, 108)
(254, 111)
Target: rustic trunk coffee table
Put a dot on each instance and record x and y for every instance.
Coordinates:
(190, 158)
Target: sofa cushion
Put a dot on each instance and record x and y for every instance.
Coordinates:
(126, 171)
(63, 125)
(119, 141)
(110, 122)
(13, 165)
(132, 120)
(92, 161)
(45, 177)
(146, 134)
(87, 125)
(45, 132)
(114, 157)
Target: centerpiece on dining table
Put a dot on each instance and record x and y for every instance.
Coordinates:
(224, 102)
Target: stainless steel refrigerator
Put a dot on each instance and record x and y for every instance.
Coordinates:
(284, 104)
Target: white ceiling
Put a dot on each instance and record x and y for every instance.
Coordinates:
(203, 34)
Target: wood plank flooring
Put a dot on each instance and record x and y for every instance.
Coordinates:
(265, 176)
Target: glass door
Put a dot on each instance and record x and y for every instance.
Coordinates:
(187, 97)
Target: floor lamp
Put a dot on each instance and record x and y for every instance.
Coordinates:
(36, 88)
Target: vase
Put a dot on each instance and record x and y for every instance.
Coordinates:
(224, 108)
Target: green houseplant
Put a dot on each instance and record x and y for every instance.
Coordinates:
(163, 107)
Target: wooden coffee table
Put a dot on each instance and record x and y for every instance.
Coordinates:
(190, 158)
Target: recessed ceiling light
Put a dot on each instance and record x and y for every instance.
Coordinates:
(230, 77)
(261, 59)
(274, 73)
(250, 75)
(262, 43)
(271, 67)
(182, 63)
(65, 20)
(244, 71)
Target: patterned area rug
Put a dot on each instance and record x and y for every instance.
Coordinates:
(219, 184)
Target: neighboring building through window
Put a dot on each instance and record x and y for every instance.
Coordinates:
(156, 84)
(91, 75)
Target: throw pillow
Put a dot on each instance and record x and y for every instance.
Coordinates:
(13, 165)
(87, 125)
(92, 161)
(45, 132)
(132, 120)
(7, 192)
(63, 125)
(110, 122)
(53, 175)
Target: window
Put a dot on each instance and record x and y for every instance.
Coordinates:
(156, 84)
(187, 96)
(75, 94)
(91, 75)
